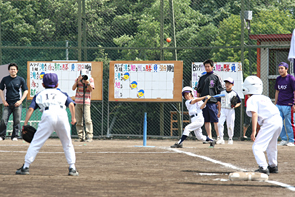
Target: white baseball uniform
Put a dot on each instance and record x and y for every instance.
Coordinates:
(52, 102)
(271, 125)
(197, 119)
(227, 113)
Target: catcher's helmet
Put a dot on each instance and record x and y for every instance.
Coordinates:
(252, 85)
(189, 90)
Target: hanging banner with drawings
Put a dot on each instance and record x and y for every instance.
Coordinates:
(224, 70)
(145, 81)
(67, 72)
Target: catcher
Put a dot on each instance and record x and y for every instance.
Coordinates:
(228, 104)
(52, 103)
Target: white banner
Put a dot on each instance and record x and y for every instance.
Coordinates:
(66, 72)
(224, 70)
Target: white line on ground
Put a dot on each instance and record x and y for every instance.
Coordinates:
(166, 152)
(290, 187)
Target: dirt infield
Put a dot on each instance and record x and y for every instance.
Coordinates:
(118, 168)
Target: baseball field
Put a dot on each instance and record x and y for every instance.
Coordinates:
(121, 168)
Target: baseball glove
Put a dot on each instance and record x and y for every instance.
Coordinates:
(233, 101)
(28, 133)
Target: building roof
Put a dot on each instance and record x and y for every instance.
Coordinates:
(271, 37)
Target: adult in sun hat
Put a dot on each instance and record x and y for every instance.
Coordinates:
(285, 100)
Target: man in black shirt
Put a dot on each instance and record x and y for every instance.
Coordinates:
(12, 103)
(210, 84)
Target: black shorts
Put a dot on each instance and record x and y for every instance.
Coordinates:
(210, 112)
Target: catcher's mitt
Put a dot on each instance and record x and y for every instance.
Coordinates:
(28, 133)
(233, 101)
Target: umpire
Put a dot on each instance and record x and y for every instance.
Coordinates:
(210, 84)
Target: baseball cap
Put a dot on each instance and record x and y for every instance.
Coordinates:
(284, 64)
(229, 79)
(50, 80)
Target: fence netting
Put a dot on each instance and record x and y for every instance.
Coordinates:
(255, 33)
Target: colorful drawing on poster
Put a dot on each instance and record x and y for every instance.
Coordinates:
(155, 80)
(65, 75)
(126, 76)
(140, 94)
(42, 74)
(133, 85)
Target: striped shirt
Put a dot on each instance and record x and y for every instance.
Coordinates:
(79, 92)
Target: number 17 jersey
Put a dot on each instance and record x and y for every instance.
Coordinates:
(50, 97)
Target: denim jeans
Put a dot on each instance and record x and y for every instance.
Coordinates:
(288, 130)
(17, 112)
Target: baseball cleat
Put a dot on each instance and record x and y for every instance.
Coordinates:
(261, 170)
(244, 138)
(273, 169)
(283, 143)
(230, 141)
(73, 172)
(176, 145)
(212, 143)
(220, 141)
(290, 144)
(22, 171)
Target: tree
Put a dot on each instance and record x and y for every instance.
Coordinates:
(229, 34)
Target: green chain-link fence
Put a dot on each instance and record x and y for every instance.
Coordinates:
(254, 32)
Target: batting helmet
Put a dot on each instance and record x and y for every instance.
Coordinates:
(252, 85)
(188, 90)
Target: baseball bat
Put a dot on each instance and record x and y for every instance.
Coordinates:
(218, 95)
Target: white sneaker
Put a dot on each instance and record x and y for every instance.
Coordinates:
(220, 141)
(218, 138)
(14, 139)
(1, 139)
(283, 143)
(290, 144)
(230, 141)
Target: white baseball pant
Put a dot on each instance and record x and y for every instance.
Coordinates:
(266, 140)
(53, 119)
(196, 126)
(227, 115)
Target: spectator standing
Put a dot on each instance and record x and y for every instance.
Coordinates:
(79, 85)
(13, 101)
(285, 100)
(210, 84)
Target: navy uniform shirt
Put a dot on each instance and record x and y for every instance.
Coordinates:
(13, 86)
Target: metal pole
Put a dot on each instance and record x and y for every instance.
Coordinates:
(144, 129)
(179, 115)
(84, 30)
(162, 29)
(79, 30)
(0, 43)
(162, 58)
(173, 28)
(102, 112)
(242, 58)
(108, 128)
(67, 50)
